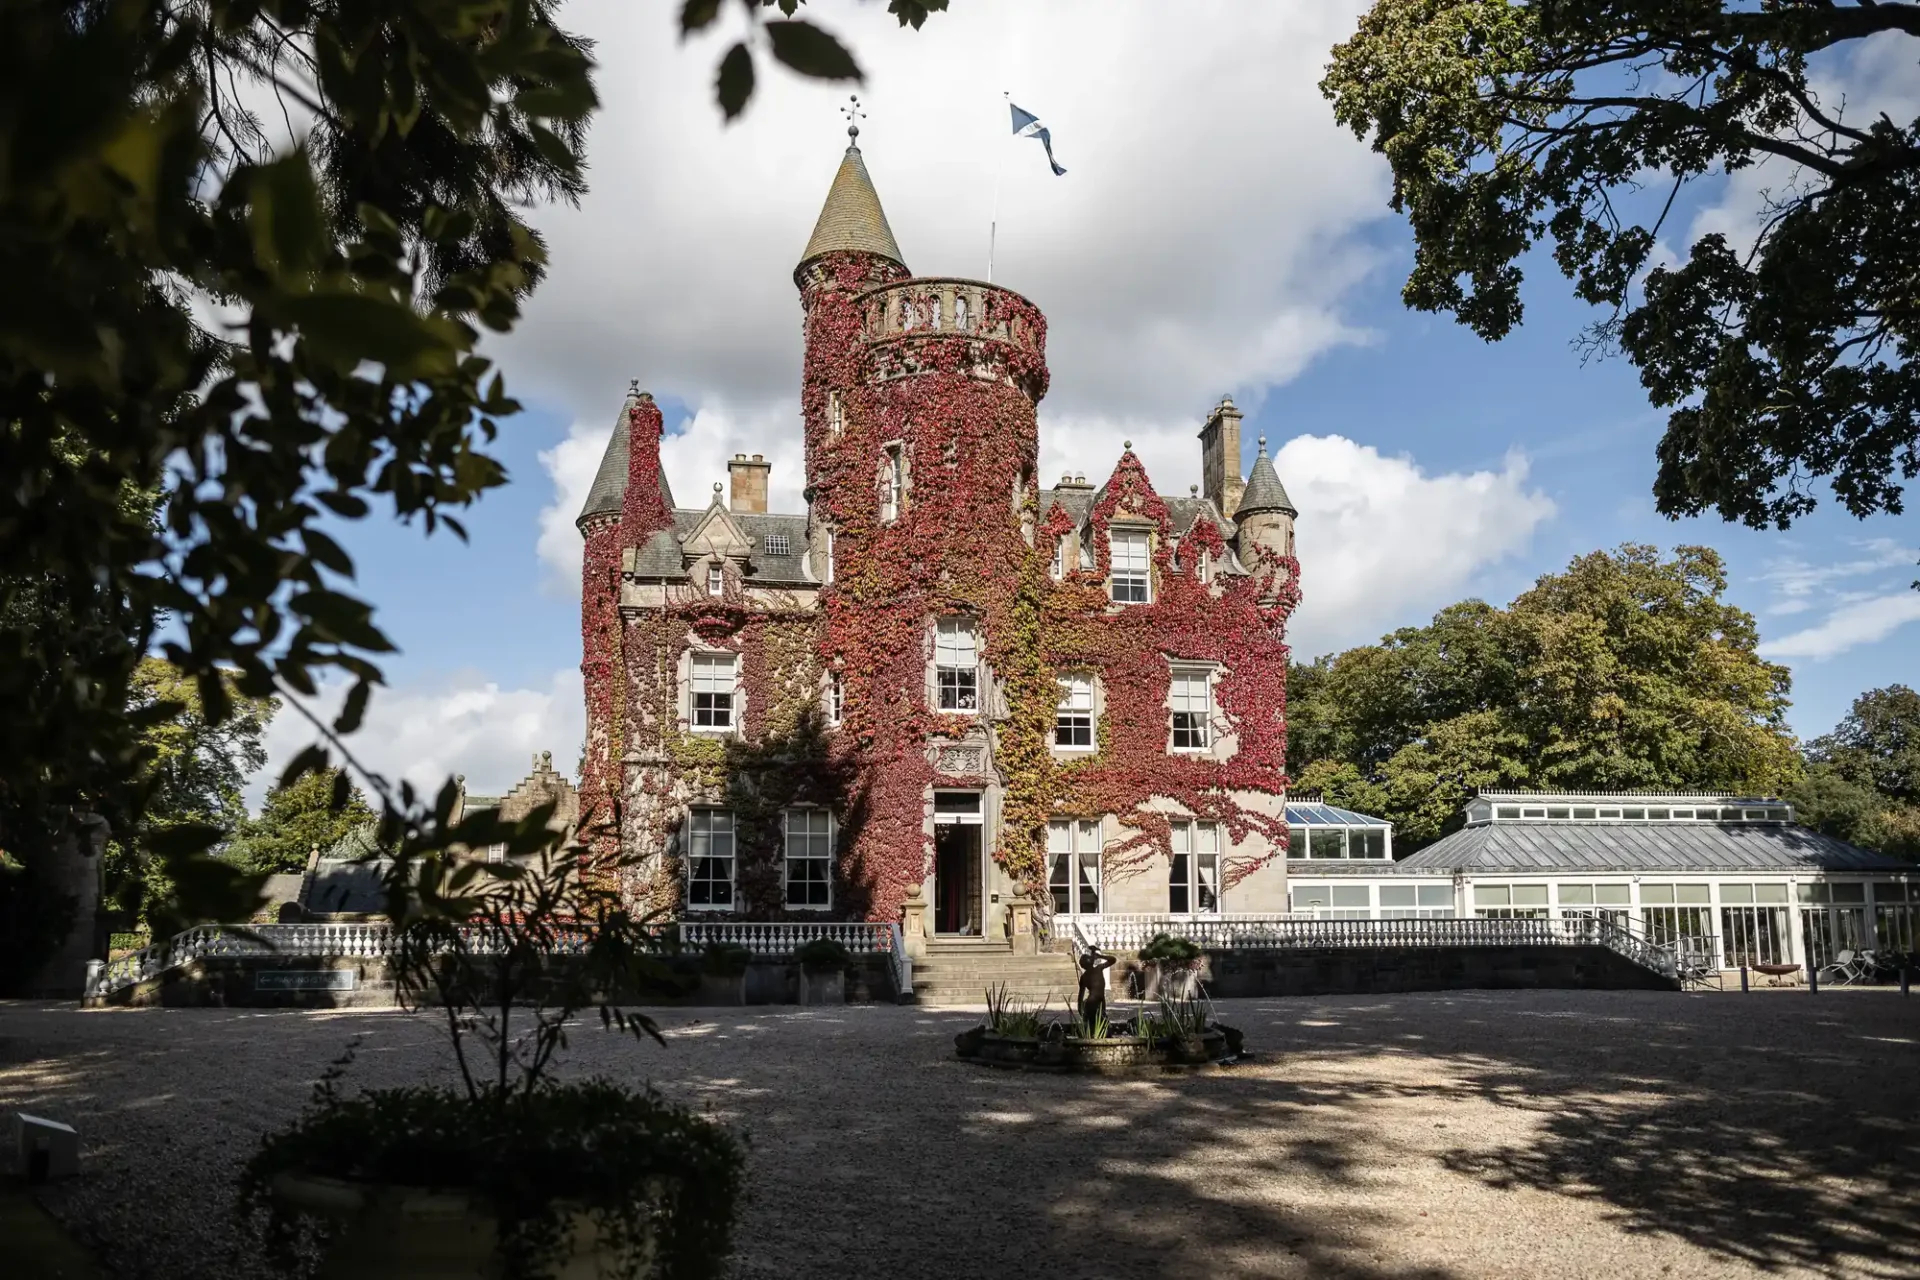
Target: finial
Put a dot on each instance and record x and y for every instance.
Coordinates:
(1126, 444)
(716, 486)
(633, 386)
(1263, 444)
(854, 115)
(1193, 490)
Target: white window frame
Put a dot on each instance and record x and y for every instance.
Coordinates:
(829, 581)
(1200, 875)
(1073, 714)
(716, 580)
(1075, 847)
(813, 814)
(704, 660)
(893, 502)
(705, 826)
(1135, 578)
(836, 700)
(497, 852)
(1180, 703)
(836, 414)
(957, 681)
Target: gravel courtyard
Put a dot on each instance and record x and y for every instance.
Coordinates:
(1470, 1135)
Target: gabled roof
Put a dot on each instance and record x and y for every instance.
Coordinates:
(1648, 847)
(764, 567)
(1264, 492)
(852, 221)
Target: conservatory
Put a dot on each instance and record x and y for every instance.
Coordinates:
(1733, 874)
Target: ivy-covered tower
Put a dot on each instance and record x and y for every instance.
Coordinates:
(921, 448)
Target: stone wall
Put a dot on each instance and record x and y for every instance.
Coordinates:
(1383, 970)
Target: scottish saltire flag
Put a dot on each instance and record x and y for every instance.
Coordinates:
(1027, 125)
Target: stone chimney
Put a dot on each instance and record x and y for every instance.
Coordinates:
(749, 476)
(1220, 457)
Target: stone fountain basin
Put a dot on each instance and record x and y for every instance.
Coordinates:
(1116, 1055)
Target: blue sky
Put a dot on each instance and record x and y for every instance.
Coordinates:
(1215, 233)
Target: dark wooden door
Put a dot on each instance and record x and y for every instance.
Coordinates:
(951, 874)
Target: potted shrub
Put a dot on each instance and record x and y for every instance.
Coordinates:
(823, 971)
(723, 973)
(1172, 967)
(511, 1174)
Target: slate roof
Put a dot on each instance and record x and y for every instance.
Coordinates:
(852, 220)
(763, 567)
(1264, 492)
(348, 876)
(660, 558)
(1534, 847)
(609, 489)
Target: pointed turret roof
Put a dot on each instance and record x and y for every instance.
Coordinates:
(608, 492)
(610, 481)
(852, 220)
(1264, 491)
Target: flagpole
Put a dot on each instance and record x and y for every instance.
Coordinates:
(999, 167)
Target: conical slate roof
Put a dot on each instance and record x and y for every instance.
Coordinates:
(1264, 491)
(852, 220)
(609, 489)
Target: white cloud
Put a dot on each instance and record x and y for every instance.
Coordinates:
(468, 725)
(1382, 542)
(1176, 260)
(1848, 627)
(695, 454)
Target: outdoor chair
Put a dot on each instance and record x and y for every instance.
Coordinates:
(1848, 968)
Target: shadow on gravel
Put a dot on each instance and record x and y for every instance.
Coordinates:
(1776, 1129)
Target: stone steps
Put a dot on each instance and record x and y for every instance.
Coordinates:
(958, 972)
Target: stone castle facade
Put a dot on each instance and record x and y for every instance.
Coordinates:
(943, 682)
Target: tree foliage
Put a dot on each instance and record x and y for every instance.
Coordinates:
(1863, 779)
(1507, 124)
(250, 250)
(1626, 671)
(294, 820)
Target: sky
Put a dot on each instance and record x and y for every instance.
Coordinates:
(1216, 234)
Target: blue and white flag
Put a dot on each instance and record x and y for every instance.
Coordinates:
(1027, 125)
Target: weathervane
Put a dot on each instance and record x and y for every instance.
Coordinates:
(854, 115)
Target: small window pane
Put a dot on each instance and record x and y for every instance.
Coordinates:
(1558, 814)
(1658, 815)
(1366, 842)
(1813, 893)
(1326, 842)
(1436, 895)
(1581, 815)
(1770, 893)
(1634, 815)
(1507, 811)
(1660, 895)
(1883, 891)
(1849, 893)
(1691, 894)
(1609, 813)
(1398, 895)
(1529, 895)
(1350, 895)
(1612, 895)
(1576, 895)
(1492, 895)
(1736, 893)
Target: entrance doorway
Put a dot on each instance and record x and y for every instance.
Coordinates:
(959, 873)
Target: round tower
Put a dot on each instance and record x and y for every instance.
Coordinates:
(1265, 518)
(921, 442)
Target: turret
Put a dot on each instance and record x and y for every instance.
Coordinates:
(1265, 513)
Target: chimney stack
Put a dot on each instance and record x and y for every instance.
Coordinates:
(1220, 457)
(749, 478)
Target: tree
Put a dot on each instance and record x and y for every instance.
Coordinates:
(1626, 671)
(1863, 779)
(295, 820)
(251, 248)
(1507, 124)
(194, 771)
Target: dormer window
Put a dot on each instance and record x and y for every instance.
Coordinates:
(776, 544)
(956, 666)
(716, 581)
(1130, 566)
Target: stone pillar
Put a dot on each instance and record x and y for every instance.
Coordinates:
(1020, 916)
(913, 923)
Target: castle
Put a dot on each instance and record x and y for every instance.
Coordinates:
(942, 683)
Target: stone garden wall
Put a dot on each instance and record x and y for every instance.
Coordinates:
(1382, 970)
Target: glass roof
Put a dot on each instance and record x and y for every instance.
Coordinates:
(1326, 815)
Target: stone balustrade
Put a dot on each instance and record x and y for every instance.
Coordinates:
(945, 307)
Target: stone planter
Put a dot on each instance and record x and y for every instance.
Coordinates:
(1116, 1055)
(728, 989)
(823, 986)
(409, 1233)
